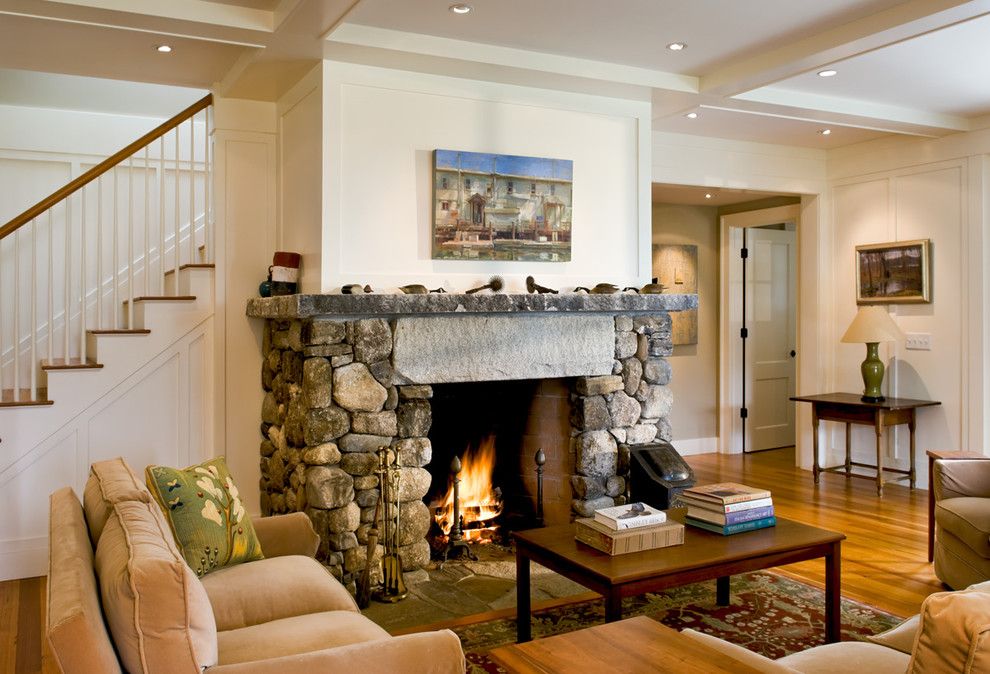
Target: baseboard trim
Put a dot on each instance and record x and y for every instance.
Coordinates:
(23, 558)
(691, 446)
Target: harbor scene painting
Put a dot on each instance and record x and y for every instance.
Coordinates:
(501, 207)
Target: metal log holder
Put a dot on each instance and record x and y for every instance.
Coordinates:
(540, 459)
(455, 540)
(393, 585)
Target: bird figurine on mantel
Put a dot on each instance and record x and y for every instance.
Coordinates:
(495, 284)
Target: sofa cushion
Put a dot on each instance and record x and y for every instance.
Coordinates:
(157, 609)
(76, 631)
(298, 634)
(109, 481)
(954, 633)
(271, 589)
(900, 638)
(956, 564)
(968, 518)
(847, 656)
(206, 515)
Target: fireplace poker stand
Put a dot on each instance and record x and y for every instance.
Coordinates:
(456, 544)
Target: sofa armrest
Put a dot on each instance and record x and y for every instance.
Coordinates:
(422, 653)
(746, 657)
(282, 535)
(952, 478)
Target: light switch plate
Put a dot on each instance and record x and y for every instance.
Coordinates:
(918, 341)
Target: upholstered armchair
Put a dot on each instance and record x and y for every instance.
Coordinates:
(961, 488)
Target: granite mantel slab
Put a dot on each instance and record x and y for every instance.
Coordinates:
(305, 306)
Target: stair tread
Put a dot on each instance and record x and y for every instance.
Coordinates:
(163, 298)
(70, 364)
(23, 398)
(136, 331)
(197, 265)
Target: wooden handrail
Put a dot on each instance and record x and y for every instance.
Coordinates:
(104, 166)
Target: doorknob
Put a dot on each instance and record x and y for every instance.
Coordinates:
(793, 353)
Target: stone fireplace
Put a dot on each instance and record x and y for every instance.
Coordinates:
(346, 374)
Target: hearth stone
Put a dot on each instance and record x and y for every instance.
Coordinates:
(339, 387)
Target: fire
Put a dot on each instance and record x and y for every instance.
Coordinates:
(478, 500)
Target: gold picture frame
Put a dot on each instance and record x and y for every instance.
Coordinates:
(894, 273)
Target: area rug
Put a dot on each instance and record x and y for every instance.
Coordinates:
(768, 614)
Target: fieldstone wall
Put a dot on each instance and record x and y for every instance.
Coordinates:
(333, 397)
(629, 407)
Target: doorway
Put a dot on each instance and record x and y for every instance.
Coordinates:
(759, 328)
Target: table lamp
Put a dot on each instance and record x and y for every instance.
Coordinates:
(871, 326)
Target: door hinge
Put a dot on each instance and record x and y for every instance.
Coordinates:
(744, 253)
(743, 413)
(744, 332)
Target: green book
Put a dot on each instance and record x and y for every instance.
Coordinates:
(729, 529)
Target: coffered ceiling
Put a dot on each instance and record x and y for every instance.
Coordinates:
(749, 69)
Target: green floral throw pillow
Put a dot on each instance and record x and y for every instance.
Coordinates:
(205, 512)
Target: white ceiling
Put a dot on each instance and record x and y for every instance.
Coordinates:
(905, 66)
(663, 193)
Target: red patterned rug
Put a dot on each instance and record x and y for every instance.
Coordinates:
(768, 614)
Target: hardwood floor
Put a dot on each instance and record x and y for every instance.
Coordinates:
(883, 557)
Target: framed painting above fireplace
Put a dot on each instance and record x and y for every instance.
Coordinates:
(501, 207)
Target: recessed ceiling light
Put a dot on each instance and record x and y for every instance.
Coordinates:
(676, 46)
(692, 115)
(708, 195)
(163, 48)
(827, 73)
(461, 8)
(826, 132)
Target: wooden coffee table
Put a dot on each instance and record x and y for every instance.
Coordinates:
(633, 646)
(703, 556)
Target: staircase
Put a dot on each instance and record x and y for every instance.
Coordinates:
(106, 306)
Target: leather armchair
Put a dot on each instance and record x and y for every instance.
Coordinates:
(961, 489)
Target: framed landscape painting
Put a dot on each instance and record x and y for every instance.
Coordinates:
(501, 207)
(894, 273)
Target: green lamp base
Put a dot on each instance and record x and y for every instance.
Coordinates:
(872, 369)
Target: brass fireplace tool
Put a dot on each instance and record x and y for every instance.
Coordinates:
(393, 586)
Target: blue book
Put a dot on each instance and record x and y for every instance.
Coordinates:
(729, 529)
(724, 519)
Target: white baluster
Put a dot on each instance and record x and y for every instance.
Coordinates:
(130, 243)
(1, 325)
(82, 278)
(115, 303)
(147, 228)
(67, 315)
(207, 176)
(99, 253)
(17, 315)
(192, 189)
(161, 214)
(178, 232)
(34, 310)
(51, 285)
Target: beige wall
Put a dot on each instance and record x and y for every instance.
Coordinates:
(695, 367)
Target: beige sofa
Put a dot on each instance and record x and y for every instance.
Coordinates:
(962, 521)
(283, 613)
(950, 635)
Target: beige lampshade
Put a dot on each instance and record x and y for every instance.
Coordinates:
(872, 324)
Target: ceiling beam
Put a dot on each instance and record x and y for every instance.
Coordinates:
(899, 23)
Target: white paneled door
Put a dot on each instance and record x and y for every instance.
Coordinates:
(771, 318)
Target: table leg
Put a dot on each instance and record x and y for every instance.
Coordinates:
(722, 591)
(848, 448)
(931, 509)
(911, 426)
(613, 605)
(816, 469)
(833, 597)
(523, 633)
(878, 427)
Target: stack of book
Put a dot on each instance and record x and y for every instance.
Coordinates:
(728, 508)
(628, 528)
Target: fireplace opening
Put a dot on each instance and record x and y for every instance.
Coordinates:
(495, 429)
